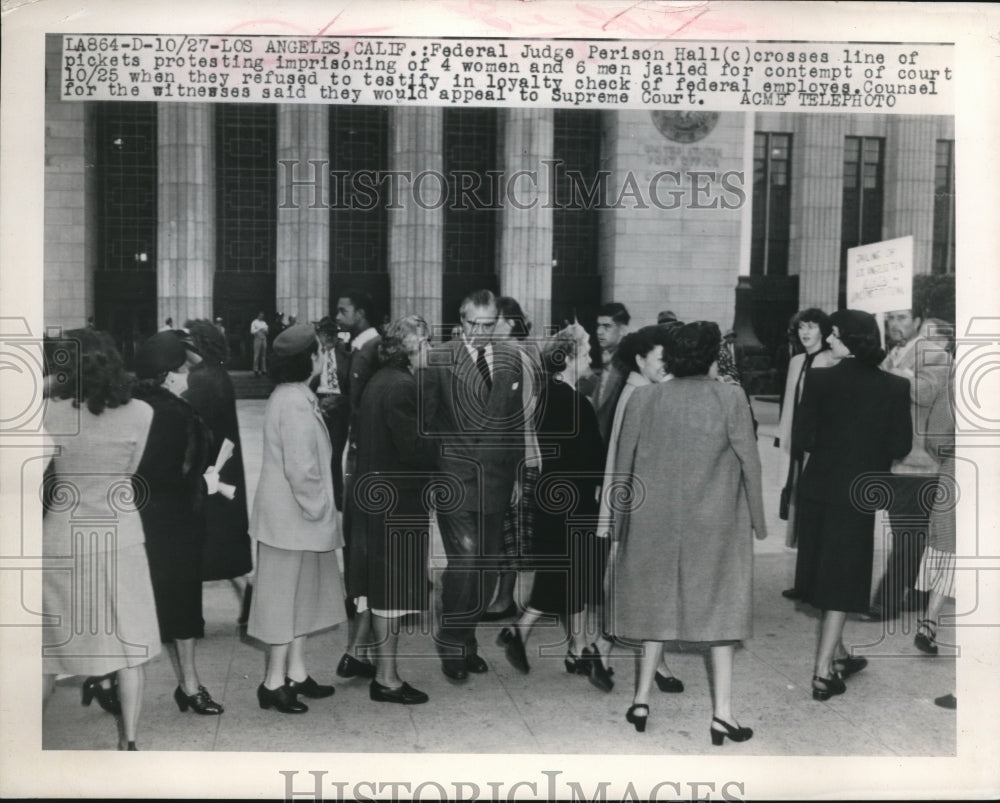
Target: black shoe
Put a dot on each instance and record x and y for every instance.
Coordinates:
(309, 688)
(825, 688)
(576, 665)
(454, 669)
(510, 640)
(282, 698)
(129, 746)
(106, 698)
(668, 684)
(475, 664)
(791, 593)
(845, 667)
(876, 614)
(737, 734)
(636, 719)
(201, 702)
(924, 640)
(496, 616)
(948, 701)
(405, 694)
(599, 674)
(351, 667)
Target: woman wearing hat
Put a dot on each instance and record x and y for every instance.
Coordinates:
(173, 473)
(298, 588)
(853, 421)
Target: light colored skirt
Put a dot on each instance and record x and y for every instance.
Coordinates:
(937, 572)
(103, 613)
(296, 592)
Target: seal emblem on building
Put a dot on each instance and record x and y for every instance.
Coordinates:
(685, 126)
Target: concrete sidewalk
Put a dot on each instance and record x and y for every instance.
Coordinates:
(888, 709)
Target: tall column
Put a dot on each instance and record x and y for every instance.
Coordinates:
(526, 234)
(303, 236)
(817, 176)
(909, 186)
(185, 240)
(416, 233)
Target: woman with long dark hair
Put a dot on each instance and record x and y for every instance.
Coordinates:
(853, 421)
(101, 433)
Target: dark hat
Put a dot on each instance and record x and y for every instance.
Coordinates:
(294, 340)
(163, 352)
(327, 326)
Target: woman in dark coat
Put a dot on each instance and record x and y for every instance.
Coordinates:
(853, 420)
(172, 469)
(566, 494)
(387, 568)
(683, 569)
(226, 554)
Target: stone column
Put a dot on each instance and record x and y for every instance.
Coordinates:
(185, 240)
(909, 186)
(416, 234)
(818, 183)
(303, 236)
(525, 263)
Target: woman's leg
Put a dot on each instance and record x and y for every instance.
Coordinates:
(505, 592)
(296, 669)
(360, 635)
(935, 601)
(831, 632)
(386, 630)
(722, 682)
(277, 664)
(181, 653)
(526, 622)
(48, 688)
(648, 661)
(577, 636)
(130, 686)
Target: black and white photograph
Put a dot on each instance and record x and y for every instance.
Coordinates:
(479, 400)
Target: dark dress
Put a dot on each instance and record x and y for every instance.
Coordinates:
(170, 477)
(566, 507)
(387, 562)
(227, 526)
(853, 420)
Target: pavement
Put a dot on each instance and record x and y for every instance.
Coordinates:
(888, 709)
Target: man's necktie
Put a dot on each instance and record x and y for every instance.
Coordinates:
(483, 366)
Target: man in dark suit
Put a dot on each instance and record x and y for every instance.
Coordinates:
(472, 403)
(612, 326)
(330, 386)
(355, 312)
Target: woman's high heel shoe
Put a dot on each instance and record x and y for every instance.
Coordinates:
(736, 733)
(576, 665)
(201, 702)
(106, 698)
(599, 674)
(282, 698)
(636, 719)
(827, 687)
(668, 683)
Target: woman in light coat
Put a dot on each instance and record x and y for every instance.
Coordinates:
(684, 565)
(298, 588)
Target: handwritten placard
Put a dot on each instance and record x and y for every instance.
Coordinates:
(880, 275)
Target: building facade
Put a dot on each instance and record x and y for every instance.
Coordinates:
(198, 210)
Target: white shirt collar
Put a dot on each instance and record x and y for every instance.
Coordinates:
(365, 337)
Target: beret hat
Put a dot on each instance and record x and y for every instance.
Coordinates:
(294, 340)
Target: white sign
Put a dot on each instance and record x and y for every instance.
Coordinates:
(880, 275)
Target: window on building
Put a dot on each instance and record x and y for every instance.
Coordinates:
(943, 250)
(471, 214)
(126, 160)
(359, 141)
(772, 198)
(861, 216)
(246, 171)
(576, 281)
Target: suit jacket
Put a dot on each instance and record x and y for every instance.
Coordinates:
(293, 507)
(853, 419)
(362, 365)
(480, 431)
(605, 398)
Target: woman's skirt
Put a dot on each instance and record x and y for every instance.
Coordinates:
(296, 593)
(519, 523)
(175, 567)
(937, 572)
(103, 614)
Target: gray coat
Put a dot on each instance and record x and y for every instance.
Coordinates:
(684, 564)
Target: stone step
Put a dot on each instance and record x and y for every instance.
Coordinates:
(248, 386)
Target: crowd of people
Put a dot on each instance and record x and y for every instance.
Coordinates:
(621, 494)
